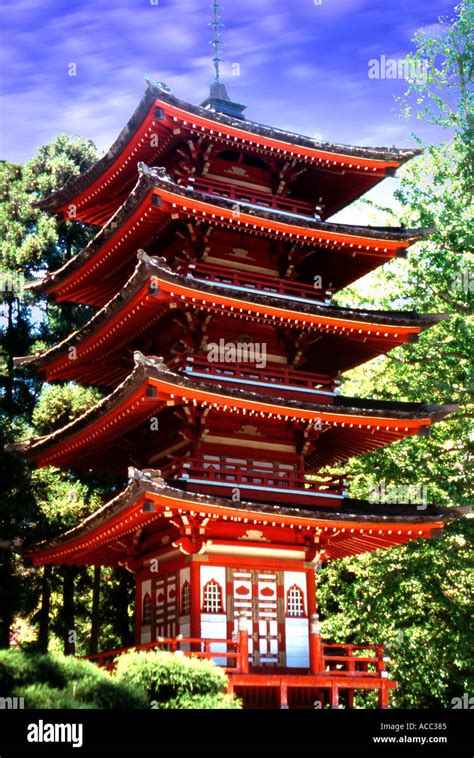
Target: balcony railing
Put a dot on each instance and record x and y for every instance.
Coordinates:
(232, 657)
(351, 660)
(274, 378)
(325, 659)
(258, 283)
(257, 198)
(258, 479)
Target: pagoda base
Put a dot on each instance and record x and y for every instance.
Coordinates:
(305, 691)
(337, 671)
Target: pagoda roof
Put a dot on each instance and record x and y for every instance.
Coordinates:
(96, 273)
(348, 171)
(154, 291)
(139, 520)
(354, 426)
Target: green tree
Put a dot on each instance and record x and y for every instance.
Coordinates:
(31, 241)
(417, 597)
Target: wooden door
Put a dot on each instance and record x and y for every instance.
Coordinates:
(259, 593)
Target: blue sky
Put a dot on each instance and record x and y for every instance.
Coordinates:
(303, 66)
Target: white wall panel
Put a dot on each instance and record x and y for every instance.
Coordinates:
(214, 626)
(297, 642)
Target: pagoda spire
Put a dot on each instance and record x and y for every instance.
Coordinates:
(216, 41)
(219, 99)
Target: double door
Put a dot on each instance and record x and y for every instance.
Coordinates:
(259, 594)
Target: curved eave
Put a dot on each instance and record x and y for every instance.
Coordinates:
(152, 386)
(132, 143)
(148, 500)
(132, 222)
(152, 285)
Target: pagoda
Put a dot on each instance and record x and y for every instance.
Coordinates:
(212, 272)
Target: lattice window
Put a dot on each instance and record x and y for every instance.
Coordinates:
(212, 598)
(146, 609)
(295, 602)
(185, 599)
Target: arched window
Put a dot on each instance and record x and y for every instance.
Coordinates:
(185, 599)
(146, 609)
(295, 602)
(212, 598)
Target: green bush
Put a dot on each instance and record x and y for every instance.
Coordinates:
(175, 681)
(142, 680)
(202, 702)
(45, 696)
(57, 681)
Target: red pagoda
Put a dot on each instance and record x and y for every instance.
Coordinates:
(230, 434)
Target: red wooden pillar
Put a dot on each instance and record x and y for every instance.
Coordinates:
(195, 576)
(334, 696)
(350, 698)
(315, 645)
(311, 591)
(383, 695)
(283, 695)
(243, 643)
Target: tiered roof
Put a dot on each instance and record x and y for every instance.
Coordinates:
(150, 516)
(343, 337)
(103, 436)
(162, 123)
(158, 212)
(199, 228)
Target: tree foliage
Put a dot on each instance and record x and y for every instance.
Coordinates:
(42, 504)
(418, 597)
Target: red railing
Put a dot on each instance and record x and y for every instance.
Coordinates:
(256, 197)
(260, 283)
(225, 472)
(269, 376)
(202, 649)
(347, 660)
(326, 659)
(336, 659)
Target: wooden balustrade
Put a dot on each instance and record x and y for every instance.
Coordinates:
(253, 196)
(260, 283)
(346, 659)
(269, 376)
(343, 659)
(238, 474)
(199, 648)
(326, 659)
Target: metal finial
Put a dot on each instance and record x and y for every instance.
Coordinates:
(216, 24)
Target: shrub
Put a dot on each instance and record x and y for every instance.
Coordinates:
(202, 702)
(57, 681)
(175, 681)
(45, 696)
